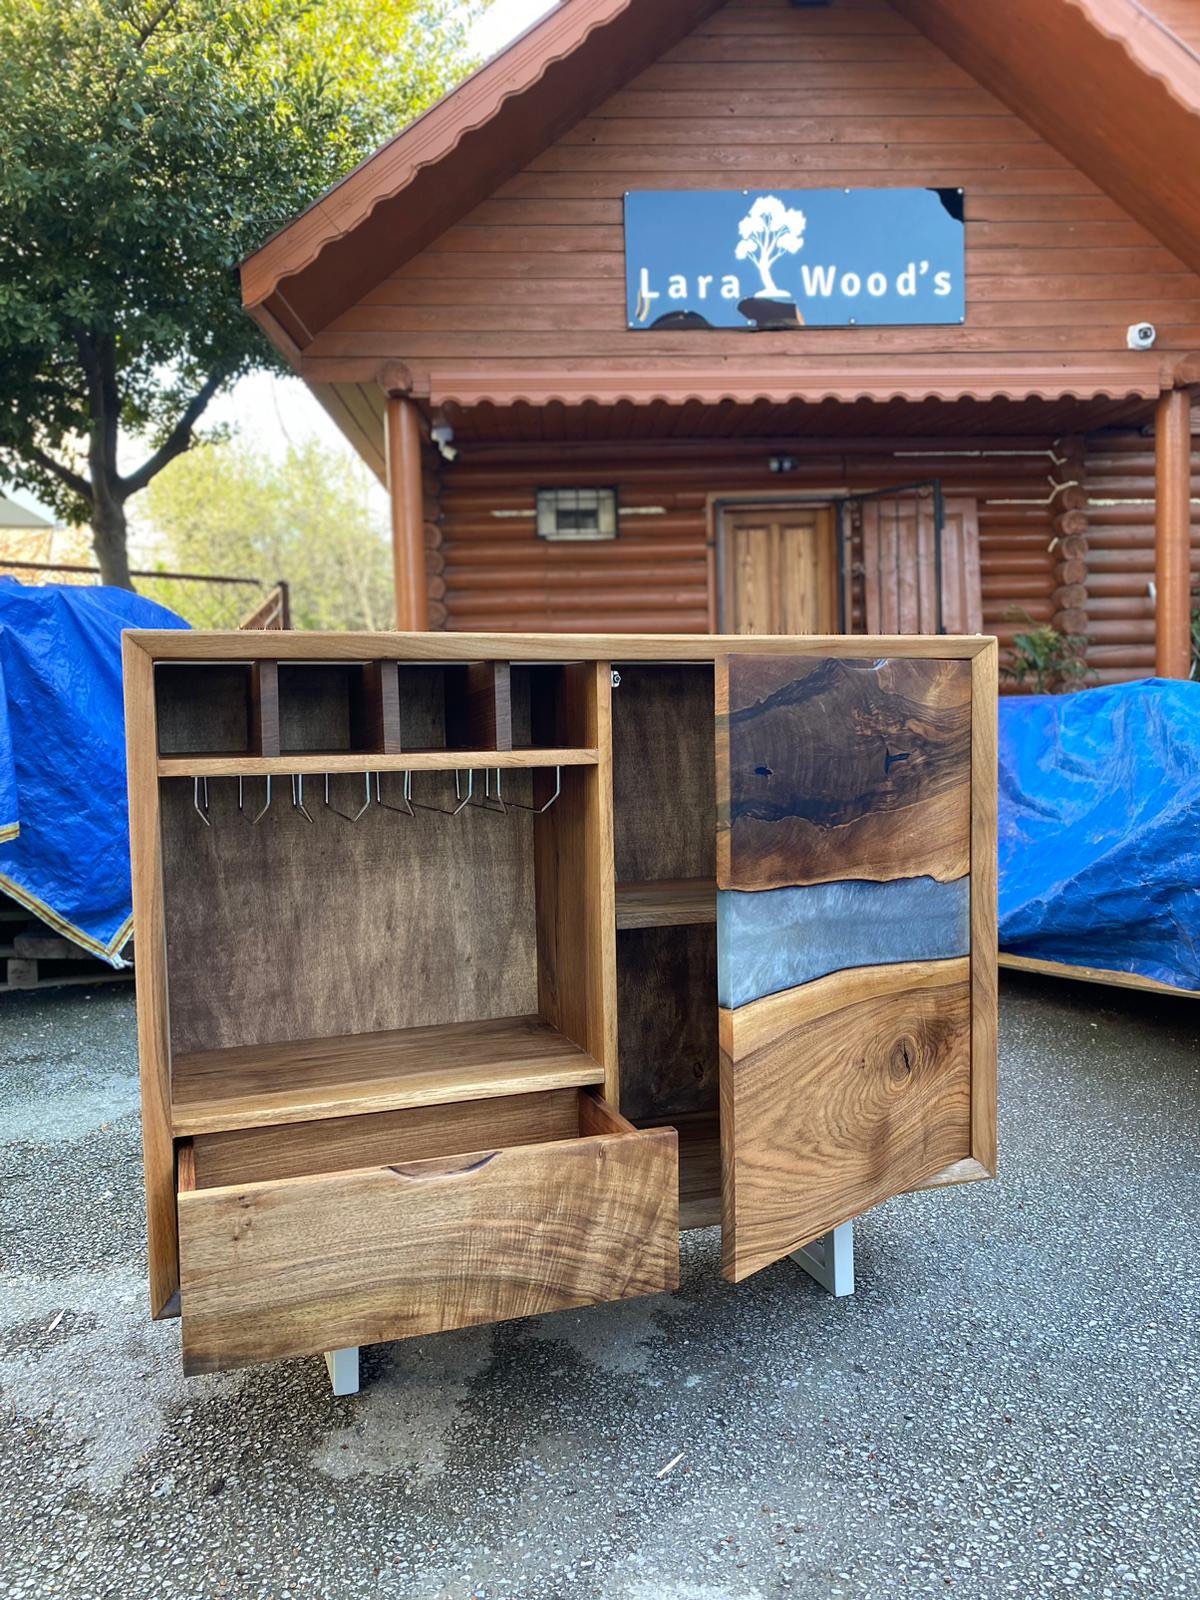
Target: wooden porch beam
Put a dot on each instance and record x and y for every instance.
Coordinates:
(1172, 541)
(408, 513)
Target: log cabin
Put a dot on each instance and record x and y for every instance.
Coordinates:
(563, 318)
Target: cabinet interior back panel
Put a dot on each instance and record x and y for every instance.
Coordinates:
(294, 930)
(664, 787)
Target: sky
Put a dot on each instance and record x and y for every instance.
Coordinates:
(271, 412)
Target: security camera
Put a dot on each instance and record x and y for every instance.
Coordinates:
(442, 434)
(1141, 335)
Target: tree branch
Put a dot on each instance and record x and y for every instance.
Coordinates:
(73, 480)
(179, 438)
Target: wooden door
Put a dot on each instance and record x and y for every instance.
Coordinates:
(857, 1047)
(779, 569)
(909, 584)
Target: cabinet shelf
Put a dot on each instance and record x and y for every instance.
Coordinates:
(667, 903)
(251, 1086)
(243, 766)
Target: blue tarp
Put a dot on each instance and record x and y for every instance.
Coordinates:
(64, 827)
(1100, 829)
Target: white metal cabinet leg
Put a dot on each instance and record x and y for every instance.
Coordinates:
(830, 1260)
(343, 1369)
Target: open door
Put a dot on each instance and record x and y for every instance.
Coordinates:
(844, 846)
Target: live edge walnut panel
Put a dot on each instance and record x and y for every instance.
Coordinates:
(874, 1065)
(296, 1266)
(835, 769)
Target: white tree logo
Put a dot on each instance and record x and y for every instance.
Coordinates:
(769, 230)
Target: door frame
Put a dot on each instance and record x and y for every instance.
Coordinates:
(716, 507)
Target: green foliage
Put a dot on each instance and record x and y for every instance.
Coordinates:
(146, 146)
(307, 518)
(1045, 661)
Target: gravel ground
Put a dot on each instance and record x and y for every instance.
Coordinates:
(1007, 1406)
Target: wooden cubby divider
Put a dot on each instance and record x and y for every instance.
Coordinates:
(479, 706)
(264, 708)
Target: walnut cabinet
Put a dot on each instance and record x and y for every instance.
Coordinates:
(472, 968)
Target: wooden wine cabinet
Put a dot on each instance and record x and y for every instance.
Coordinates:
(473, 967)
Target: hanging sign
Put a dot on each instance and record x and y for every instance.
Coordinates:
(794, 258)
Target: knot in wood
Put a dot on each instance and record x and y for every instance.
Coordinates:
(902, 1059)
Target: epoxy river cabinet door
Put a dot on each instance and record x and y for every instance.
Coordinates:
(857, 1050)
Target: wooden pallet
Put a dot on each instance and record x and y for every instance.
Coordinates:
(33, 956)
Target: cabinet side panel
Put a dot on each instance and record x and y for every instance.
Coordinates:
(154, 1054)
(984, 781)
(576, 910)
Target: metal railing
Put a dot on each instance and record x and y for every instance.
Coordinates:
(205, 599)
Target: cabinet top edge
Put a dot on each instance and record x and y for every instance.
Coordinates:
(180, 645)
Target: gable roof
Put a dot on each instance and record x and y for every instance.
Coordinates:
(453, 155)
(1109, 83)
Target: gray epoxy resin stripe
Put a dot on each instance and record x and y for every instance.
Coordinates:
(774, 939)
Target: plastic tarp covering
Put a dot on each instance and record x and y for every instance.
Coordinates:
(64, 821)
(1100, 829)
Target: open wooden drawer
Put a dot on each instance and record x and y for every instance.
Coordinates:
(313, 1236)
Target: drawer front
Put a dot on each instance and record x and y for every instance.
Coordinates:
(299, 1265)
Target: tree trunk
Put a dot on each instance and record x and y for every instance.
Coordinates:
(109, 540)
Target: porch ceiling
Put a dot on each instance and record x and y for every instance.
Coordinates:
(789, 423)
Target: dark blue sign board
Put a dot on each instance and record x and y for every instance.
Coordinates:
(788, 258)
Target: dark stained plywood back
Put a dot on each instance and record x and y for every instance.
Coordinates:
(667, 1021)
(294, 930)
(202, 707)
(664, 799)
(832, 769)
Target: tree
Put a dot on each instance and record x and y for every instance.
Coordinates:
(146, 146)
(768, 230)
(227, 507)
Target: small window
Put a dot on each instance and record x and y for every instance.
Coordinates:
(577, 513)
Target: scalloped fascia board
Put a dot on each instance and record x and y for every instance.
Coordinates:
(1138, 378)
(1149, 44)
(431, 137)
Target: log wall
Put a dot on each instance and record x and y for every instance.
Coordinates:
(1120, 556)
(488, 568)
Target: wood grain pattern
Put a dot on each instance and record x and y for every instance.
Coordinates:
(250, 1086)
(656, 576)
(733, 106)
(219, 766)
(984, 998)
(294, 930)
(573, 871)
(663, 794)
(479, 706)
(264, 709)
(415, 1133)
(381, 708)
(176, 645)
(699, 1167)
(667, 1020)
(833, 769)
(295, 1266)
(835, 1096)
(204, 706)
(1104, 975)
(779, 566)
(154, 1048)
(667, 903)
